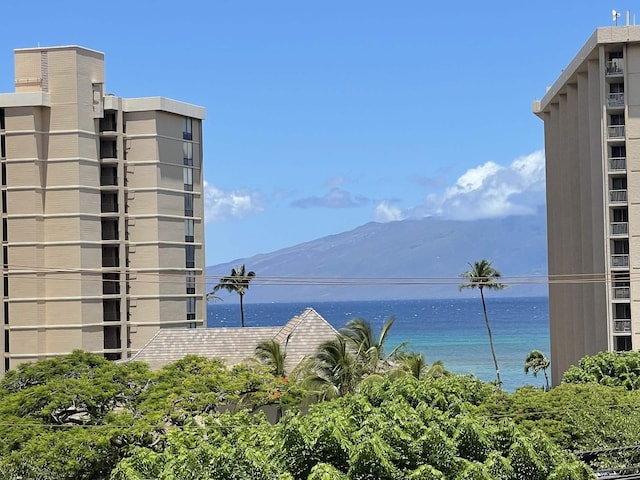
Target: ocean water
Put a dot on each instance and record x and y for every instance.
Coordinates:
(452, 330)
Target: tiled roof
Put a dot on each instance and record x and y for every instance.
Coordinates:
(301, 335)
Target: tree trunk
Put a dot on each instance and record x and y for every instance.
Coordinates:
(493, 351)
(241, 310)
(546, 379)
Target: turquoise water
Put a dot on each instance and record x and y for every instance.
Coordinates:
(452, 330)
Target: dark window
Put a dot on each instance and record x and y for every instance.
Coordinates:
(109, 229)
(2, 124)
(111, 310)
(111, 284)
(620, 215)
(188, 230)
(111, 337)
(3, 147)
(6, 313)
(110, 256)
(191, 285)
(188, 204)
(6, 341)
(187, 173)
(622, 311)
(5, 286)
(187, 153)
(613, 55)
(619, 183)
(616, 119)
(4, 201)
(616, 88)
(190, 255)
(6, 364)
(622, 344)
(620, 247)
(618, 151)
(109, 122)
(108, 149)
(109, 202)
(5, 235)
(4, 174)
(108, 175)
(5, 256)
(187, 129)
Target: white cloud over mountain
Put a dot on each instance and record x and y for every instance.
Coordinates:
(230, 205)
(487, 191)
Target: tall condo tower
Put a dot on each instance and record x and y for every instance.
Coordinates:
(102, 211)
(591, 120)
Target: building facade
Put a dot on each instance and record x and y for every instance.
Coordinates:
(102, 211)
(591, 120)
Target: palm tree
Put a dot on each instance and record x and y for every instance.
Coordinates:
(414, 364)
(482, 275)
(271, 354)
(237, 282)
(535, 362)
(369, 350)
(333, 370)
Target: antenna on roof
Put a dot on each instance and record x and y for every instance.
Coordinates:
(614, 16)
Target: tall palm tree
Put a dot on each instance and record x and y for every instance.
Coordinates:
(482, 275)
(369, 350)
(536, 361)
(271, 354)
(237, 282)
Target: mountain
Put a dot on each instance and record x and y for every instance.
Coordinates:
(386, 260)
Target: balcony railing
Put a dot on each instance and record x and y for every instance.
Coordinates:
(615, 131)
(615, 67)
(618, 195)
(621, 292)
(620, 260)
(622, 326)
(617, 164)
(615, 100)
(619, 228)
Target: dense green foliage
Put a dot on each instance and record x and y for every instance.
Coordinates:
(82, 417)
(615, 369)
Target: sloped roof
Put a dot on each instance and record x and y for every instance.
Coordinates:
(301, 335)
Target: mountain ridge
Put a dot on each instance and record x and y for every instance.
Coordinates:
(432, 251)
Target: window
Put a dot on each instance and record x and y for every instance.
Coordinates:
(2, 124)
(5, 286)
(6, 341)
(620, 215)
(618, 183)
(622, 344)
(188, 230)
(4, 201)
(6, 313)
(188, 178)
(187, 129)
(191, 285)
(5, 256)
(618, 151)
(616, 88)
(620, 247)
(3, 147)
(616, 120)
(190, 256)
(622, 311)
(6, 364)
(187, 153)
(188, 204)
(5, 234)
(191, 308)
(4, 174)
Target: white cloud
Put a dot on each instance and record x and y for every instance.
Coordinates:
(486, 191)
(386, 211)
(225, 205)
(335, 198)
(492, 190)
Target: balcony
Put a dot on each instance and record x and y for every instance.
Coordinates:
(615, 100)
(621, 293)
(614, 67)
(622, 326)
(615, 131)
(617, 164)
(619, 228)
(109, 123)
(618, 196)
(620, 260)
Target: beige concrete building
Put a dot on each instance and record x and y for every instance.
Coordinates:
(592, 140)
(102, 211)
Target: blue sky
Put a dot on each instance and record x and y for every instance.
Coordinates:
(323, 116)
